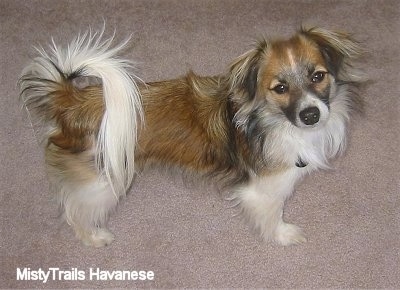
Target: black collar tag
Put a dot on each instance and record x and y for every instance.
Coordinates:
(300, 163)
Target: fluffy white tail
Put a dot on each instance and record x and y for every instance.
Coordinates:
(91, 55)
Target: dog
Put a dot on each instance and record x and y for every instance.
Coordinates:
(280, 112)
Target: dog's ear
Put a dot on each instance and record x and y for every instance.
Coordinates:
(244, 72)
(338, 48)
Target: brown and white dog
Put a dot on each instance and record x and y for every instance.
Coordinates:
(277, 114)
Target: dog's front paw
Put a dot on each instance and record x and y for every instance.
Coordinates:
(288, 234)
(98, 238)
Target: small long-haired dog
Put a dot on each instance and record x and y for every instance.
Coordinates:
(279, 113)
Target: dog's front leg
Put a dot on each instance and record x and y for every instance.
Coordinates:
(262, 201)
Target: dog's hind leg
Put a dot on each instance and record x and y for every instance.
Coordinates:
(87, 101)
(86, 198)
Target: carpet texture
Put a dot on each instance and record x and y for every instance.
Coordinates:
(186, 233)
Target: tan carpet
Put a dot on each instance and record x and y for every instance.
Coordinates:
(186, 234)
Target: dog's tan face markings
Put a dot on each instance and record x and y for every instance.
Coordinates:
(291, 68)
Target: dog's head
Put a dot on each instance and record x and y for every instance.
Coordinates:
(296, 78)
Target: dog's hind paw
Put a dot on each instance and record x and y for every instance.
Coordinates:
(97, 238)
(288, 234)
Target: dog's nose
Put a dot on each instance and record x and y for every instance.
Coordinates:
(310, 116)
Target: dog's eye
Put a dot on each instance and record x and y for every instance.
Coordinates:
(280, 89)
(318, 76)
